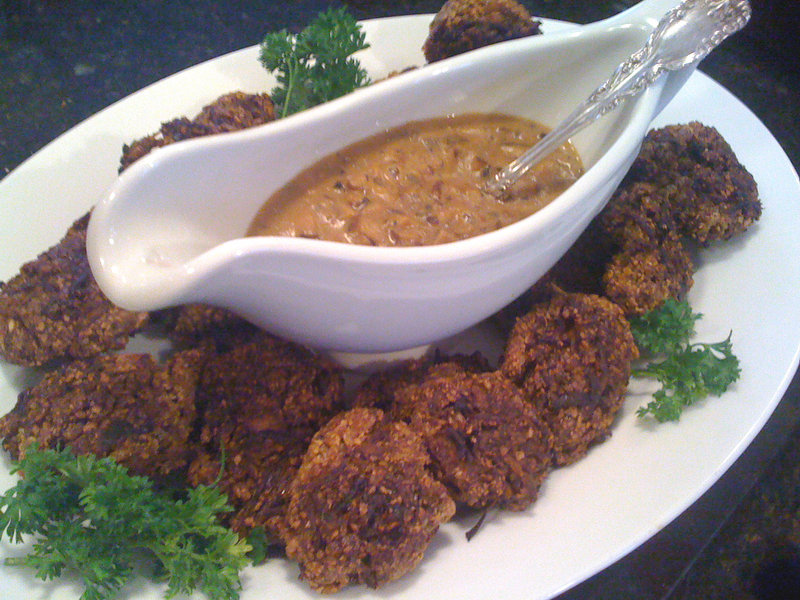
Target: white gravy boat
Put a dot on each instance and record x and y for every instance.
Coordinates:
(170, 230)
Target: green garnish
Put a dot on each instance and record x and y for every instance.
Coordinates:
(90, 517)
(688, 372)
(315, 65)
(260, 545)
(666, 329)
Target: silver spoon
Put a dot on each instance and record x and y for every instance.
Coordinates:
(685, 35)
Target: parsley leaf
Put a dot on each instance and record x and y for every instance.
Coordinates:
(315, 65)
(688, 375)
(666, 329)
(90, 517)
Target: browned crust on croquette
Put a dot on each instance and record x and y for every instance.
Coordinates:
(363, 506)
(487, 444)
(125, 406)
(230, 112)
(571, 356)
(463, 25)
(54, 310)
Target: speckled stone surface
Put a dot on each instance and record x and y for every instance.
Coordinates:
(63, 60)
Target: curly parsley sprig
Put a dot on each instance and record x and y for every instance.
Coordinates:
(666, 329)
(316, 65)
(88, 516)
(687, 372)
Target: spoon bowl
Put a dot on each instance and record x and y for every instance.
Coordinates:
(169, 231)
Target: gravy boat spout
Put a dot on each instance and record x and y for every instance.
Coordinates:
(170, 231)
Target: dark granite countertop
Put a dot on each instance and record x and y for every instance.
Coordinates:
(60, 62)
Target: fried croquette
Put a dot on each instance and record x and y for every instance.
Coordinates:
(713, 195)
(462, 25)
(230, 112)
(255, 470)
(487, 445)
(54, 310)
(632, 252)
(571, 356)
(268, 384)
(686, 183)
(260, 403)
(380, 389)
(638, 214)
(640, 279)
(125, 406)
(235, 111)
(363, 505)
(649, 263)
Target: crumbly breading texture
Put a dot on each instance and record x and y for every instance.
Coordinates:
(638, 214)
(633, 253)
(713, 195)
(268, 384)
(462, 25)
(123, 405)
(686, 184)
(380, 389)
(230, 112)
(486, 443)
(649, 263)
(641, 279)
(260, 404)
(571, 356)
(255, 473)
(54, 310)
(363, 506)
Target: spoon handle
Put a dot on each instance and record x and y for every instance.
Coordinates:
(629, 80)
(685, 35)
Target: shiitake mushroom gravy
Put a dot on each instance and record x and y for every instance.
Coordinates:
(419, 184)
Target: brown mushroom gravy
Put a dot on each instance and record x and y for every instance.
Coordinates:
(419, 184)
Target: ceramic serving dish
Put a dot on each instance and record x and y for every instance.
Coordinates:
(170, 230)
